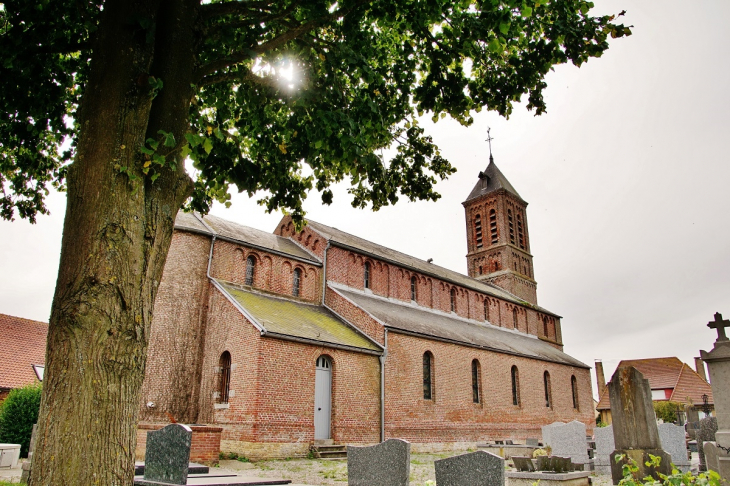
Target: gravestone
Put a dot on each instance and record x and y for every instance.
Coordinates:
(635, 430)
(555, 464)
(567, 440)
(706, 433)
(673, 441)
(523, 463)
(718, 364)
(168, 454)
(604, 447)
(480, 468)
(711, 452)
(385, 464)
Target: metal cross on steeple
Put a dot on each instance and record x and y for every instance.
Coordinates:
(489, 139)
(720, 324)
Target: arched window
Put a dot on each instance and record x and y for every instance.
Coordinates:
(414, 291)
(224, 381)
(478, 230)
(515, 386)
(475, 372)
(296, 284)
(520, 235)
(493, 226)
(250, 269)
(486, 309)
(545, 329)
(514, 317)
(427, 375)
(548, 390)
(574, 390)
(511, 227)
(453, 300)
(367, 275)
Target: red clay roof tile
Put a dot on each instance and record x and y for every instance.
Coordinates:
(22, 344)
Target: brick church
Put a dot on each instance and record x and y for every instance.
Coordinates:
(286, 338)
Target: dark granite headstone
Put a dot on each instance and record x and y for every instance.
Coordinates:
(523, 463)
(635, 431)
(168, 454)
(707, 429)
(480, 468)
(385, 464)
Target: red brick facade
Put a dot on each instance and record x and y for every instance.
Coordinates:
(270, 407)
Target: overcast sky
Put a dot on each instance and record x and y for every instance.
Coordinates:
(627, 182)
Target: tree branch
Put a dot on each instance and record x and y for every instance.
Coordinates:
(241, 76)
(210, 10)
(274, 43)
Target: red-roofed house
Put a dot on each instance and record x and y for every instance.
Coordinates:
(669, 379)
(22, 345)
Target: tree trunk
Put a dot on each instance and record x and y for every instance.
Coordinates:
(117, 232)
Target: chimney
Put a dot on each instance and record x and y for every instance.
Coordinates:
(600, 378)
(700, 368)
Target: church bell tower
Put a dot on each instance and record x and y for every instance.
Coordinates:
(498, 241)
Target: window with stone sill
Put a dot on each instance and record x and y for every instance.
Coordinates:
(296, 284)
(515, 386)
(366, 278)
(250, 269)
(414, 293)
(453, 300)
(224, 378)
(427, 376)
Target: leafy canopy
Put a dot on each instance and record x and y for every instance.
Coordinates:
(292, 95)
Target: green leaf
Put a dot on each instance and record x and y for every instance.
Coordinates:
(494, 45)
(504, 27)
(526, 11)
(207, 146)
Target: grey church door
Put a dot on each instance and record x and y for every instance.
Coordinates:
(322, 398)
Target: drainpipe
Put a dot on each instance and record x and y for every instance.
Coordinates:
(324, 270)
(210, 256)
(382, 386)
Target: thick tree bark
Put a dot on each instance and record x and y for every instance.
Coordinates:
(117, 232)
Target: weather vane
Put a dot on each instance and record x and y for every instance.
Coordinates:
(489, 139)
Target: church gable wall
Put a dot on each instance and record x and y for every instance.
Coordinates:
(307, 238)
(452, 415)
(176, 336)
(273, 273)
(228, 330)
(354, 315)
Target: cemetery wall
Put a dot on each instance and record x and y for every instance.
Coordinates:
(175, 347)
(452, 415)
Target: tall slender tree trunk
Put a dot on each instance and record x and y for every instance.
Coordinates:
(117, 232)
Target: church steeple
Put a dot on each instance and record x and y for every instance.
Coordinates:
(497, 238)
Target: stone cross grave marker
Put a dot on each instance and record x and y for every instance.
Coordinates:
(479, 468)
(673, 442)
(168, 454)
(385, 464)
(567, 440)
(635, 431)
(720, 324)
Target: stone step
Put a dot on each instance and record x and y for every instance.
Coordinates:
(330, 451)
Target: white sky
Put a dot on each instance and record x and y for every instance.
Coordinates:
(626, 176)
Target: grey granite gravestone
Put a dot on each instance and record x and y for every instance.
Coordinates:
(523, 463)
(711, 456)
(604, 447)
(168, 454)
(480, 468)
(706, 433)
(635, 431)
(385, 464)
(567, 440)
(673, 441)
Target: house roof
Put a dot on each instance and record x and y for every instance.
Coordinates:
(412, 319)
(491, 180)
(346, 240)
(212, 225)
(280, 317)
(667, 373)
(23, 345)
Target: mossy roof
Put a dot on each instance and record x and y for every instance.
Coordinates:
(315, 323)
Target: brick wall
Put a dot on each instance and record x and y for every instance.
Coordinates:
(453, 416)
(178, 327)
